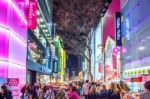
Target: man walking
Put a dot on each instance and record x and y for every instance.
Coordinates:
(86, 89)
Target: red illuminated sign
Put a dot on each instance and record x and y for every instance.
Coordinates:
(13, 81)
(32, 17)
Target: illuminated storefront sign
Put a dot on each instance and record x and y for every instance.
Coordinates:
(53, 52)
(118, 29)
(55, 67)
(32, 17)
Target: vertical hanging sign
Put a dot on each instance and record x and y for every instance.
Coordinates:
(118, 29)
(55, 66)
(32, 17)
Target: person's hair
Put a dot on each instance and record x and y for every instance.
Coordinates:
(120, 90)
(124, 86)
(104, 87)
(113, 87)
(74, 89)
(147, 85)
(93, 90)
(70, 84)
(87, 81)
(4, 87)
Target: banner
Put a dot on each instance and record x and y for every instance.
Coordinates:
(32, 17)
(13, 87)
(118, 29)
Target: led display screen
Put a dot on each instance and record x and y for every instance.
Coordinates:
(4, 12)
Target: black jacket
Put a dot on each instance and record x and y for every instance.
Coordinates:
(113, 95)
(103, 94)
(0, 95)
(7, 95)
(93, 96)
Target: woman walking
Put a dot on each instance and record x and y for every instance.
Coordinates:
(103, 93)
(93, 94)
(113, 92)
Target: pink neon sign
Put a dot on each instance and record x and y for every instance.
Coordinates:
(32, 17)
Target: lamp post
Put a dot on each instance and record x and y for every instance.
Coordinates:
(102, 47)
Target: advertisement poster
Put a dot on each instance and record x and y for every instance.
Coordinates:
(13, 86)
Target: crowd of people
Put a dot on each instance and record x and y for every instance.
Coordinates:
(74, 90)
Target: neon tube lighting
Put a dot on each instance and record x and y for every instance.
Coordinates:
(11, 63)
(19, 13)
(16, 65)
(147, 67)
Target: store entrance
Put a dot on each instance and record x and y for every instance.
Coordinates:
(31, 77)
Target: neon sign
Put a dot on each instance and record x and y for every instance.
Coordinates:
(32, 17)
(118, 29)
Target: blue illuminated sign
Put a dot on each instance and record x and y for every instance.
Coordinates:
(55, 66)
(118, 29)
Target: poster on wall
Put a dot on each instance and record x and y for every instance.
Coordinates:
(13, 87)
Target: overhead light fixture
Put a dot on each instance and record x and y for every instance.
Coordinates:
(141, 48)
(44, 25)
(38, 20)
(46, 30)
(148, 37)
(41, 19)
(37, 12)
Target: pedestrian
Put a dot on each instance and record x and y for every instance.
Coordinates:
(0, 95)
(93, 94)
(26, 91)
(40, 92)
(121, 91)
(79, 89)
(98, 88)
(49, 94)
(61, 94)
(103, 93)
(146, 93)
(113, 92)
(5, 93)
(85, 89)
(73, 94)
(34, 91)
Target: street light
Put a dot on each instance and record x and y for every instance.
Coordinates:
(102, 47)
